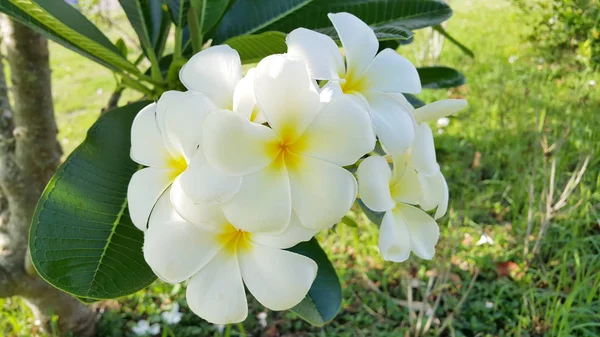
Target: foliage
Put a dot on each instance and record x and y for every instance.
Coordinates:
(66, 247)
(491, 197)
(565, 25)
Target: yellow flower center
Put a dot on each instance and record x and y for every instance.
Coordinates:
(353, 84)
(234, 240)
(177, 166)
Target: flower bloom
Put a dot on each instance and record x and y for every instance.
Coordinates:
(198, 243)
(143, 328)
(173, 316)
(164, 137)
(294, 165)
(416, 179)
(375, 79)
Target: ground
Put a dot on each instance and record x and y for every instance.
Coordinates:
(498, 157)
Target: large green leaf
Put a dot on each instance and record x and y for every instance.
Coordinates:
(253, 48)
(440, 77)
(409, 14)
(324, 298)
(211, 12)
(178, 10)
(62, 23)
(145, 17)
(82, 240)
(249, 16)
(385, 32)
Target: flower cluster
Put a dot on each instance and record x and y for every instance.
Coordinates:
(241, 167)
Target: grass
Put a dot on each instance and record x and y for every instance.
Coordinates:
(492, 154)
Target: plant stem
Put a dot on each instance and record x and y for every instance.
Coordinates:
(156, 75)
(178, 40)
(242, 330)
(227, 331)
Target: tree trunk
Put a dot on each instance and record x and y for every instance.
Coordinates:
(29, 155)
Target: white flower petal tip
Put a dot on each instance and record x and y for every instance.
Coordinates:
(374, 178)
(214, 72)
(393, 121)
(321, 54)
(405, 78)
(358, 39)
(405, 229)
(439, 109)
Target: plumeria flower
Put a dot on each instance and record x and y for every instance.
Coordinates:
(196, 242)
(143, 328)
(375, 79)
(216, 72)
(173, 316)
(436, 110)
(165, 138)
(404, 227)
(293, 167)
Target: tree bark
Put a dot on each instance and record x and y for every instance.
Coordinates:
(29, 155)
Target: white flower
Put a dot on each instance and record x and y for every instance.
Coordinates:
(216, 72)
(443, 122)
(173, 316)
(143, 328)
(262, 319)
(512, 59)
(375, 79)
(485, 239)
(437, 110)
(165, 138)
(218, 259)
(415, 180)
(293, 167)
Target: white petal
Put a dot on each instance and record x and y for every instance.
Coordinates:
(145, 187)
(216, 293)
(322, 56)
(394, 124)
(423, 151)
(391, 72)
(147, 145)
(213, 72)
(263, 203)
(278, 279)
(293, 235)
(286, 95)
(167, 99)
(244, 101)
(207, 215)
(184, 121)
(374, 176)
(405, 186)
(236, 146)
(394, 239)
(329, 91)
(203, 183)
(359, 42)
(439, 109)
(341, 133)
(424, 231)
(322, 193)
(435, 193)
(174, 248)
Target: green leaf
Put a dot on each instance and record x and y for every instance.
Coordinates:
(349, 222)
(385, 32)
(145, 17)
(249, 16)
(209, 11)
(62, 23)
(253, 48)
(82, 240)
(375, 217)
(409, 14)
(178, 10)
(414, 101)
(440, 77)
(460, 46)
(324, 298)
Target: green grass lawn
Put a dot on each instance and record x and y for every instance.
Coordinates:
(498, 159)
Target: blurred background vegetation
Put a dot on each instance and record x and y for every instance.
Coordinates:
(519, 250)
